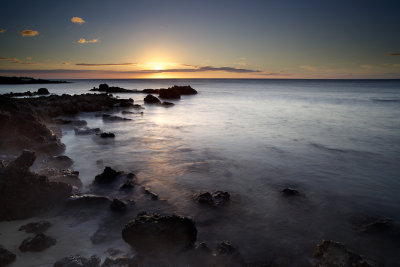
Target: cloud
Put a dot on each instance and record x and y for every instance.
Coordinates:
(208, 68)
(308, 67)
(66, 63)
(367, 67)
(393, 54)
(29, 58)
(2, 31)
(29, 33)
(84, 41)
(77, 20)
(10, 60)
(104, 64)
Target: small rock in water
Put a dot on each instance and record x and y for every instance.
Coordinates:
(107, 135)
(150, 99)
(37, 243)
(108, 176)
(167, 104)
(289, 192)
(130, 182)
(78, 261)
(86, 131)
(6, 257)
(35, 227)
(213, 199)
(43, 91)
(118, 205)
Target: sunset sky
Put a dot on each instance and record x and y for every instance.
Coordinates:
(200, 39)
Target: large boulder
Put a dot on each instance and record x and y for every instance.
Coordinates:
(78, 261)
(151, 234)
(184, 90)
(24, 194)
(43, 91)
(37, 243)
(150, 99)
(6, 257)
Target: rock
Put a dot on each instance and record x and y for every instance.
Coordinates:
(108, 176)
(60, 162)
(35, 227)
(153, 195)
(156, 235)
(169, 94)
(376, 226)
(43, 91)
(62, 175)
(38, 243)
(112, 89)
(107, 135)
(118, 205)
(184, 90)
(114, 251)
(167, 104)
(227, 255)
(78, 261)
(331, 253)
(77, 123)
(118, 262)
(24, 194)
(149, 99)
(86, 131)
(150, 91)
(287, 192)
(130, 181)
(136, 106)
(6, 257)
(87, 199)
(107, 117)
(213, 199)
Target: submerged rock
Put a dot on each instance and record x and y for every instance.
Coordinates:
(287, 192)
(331, 253)
(153, 195)
(213, 199)
(6, 257)
(376, 226)
(86, 131)
(118, 205)
(150, 99)
(24, 194)
(156, 235)
(107, 135)
(167, 104)
(108, 176)
(107, 117)
(35, 227)
(78, 261)
(37, 243)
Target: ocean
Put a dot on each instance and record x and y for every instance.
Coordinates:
(335, 141)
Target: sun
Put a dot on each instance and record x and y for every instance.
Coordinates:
(156, 65)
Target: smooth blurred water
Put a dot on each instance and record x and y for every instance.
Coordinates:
(336, 141)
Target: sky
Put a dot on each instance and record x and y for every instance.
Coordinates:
(283, 39)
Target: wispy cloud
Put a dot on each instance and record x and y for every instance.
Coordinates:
(29, 33)
(84, 41)
(77, 20)
(104, 64)
(208, 68)
(308, 67)
(2, 31)
(393, 54)
(66, 63)
(17, 61)
(367, 67)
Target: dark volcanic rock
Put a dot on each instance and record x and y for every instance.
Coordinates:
(6, 257)
(118, 205)
(86, 131)
(78, 261)
(184, 90)
(24, 194)
(149, 99)
(169, 94)
(107, 135)
(331, 253)
(35, 227)
(112, 89)
(150, 91)
(156, 235)
(43, 91)
(108, 176)
(287, 192)
(37, 243)
(214, 199)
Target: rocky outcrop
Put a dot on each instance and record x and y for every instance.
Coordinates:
(62, 175)
(109, 175)
(60, 162)
(6, 257)
(111, 89)
(40, 91)
(37, 243)
(331, 253)
(149, 99)
(213, 199)
(151, 234)
(78, 261)
(130, 182)
(169, 94)
(184, 89)
(35, 227)
(24, 194)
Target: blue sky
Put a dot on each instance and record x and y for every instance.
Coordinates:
(232, 39)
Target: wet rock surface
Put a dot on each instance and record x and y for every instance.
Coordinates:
(156, 235)
(37, 243)
(167, 104)
(24, 194)
(78, 261)
(150, 99)
(6, 256)
(214, 199)
(35, 227)
(331, 253)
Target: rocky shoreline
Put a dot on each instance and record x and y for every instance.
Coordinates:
(30, 129)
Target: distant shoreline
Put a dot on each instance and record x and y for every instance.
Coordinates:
(27, 80)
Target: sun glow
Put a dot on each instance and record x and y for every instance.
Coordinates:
(156, 65)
